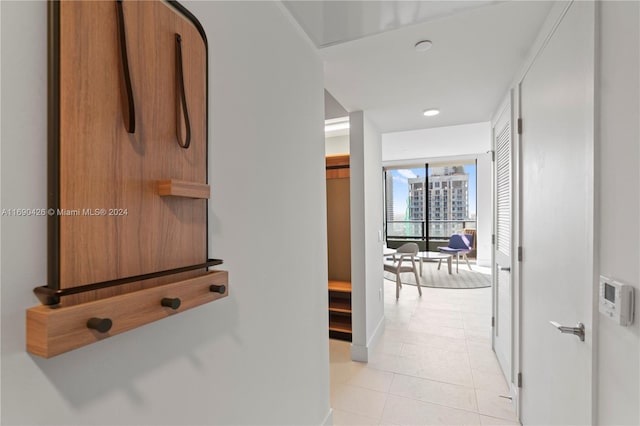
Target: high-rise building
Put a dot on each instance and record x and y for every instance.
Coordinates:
(415, 206)
(448, 200)
(388, 189)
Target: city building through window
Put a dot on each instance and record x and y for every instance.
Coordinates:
(429, 203)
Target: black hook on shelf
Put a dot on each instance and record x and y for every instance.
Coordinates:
(99, 324)
(170, 302)
(217, 288)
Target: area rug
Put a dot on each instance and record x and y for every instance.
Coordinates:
(432, 277)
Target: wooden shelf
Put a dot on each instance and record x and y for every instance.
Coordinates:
(340, 329)
(181, 188)
(340, 306)
(340, 286)
(52, 331)
(340, 309)
(340, 323)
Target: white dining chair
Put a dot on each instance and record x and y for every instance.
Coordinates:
(405, 253)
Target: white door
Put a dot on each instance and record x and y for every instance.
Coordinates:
(502, 287)
(557, 224)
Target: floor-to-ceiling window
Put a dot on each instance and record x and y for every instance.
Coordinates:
(429, 202)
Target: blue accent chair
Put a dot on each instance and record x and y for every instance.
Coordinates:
(459, 244)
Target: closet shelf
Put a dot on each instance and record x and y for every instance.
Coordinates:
(340, 286)
(339, 323)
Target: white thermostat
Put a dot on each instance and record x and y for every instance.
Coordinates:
(616, 301)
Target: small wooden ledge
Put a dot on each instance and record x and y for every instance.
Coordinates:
(52, 331)
(181, 188)
(340, 286)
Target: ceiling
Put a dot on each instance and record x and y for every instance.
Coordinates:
(371, 63)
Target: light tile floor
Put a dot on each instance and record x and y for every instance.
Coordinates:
(432, 366)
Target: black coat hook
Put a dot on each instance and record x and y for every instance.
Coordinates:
(217, 288)
(173, 303)
(99, 324)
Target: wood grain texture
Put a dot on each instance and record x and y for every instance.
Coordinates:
(338, 173)
(339, 229)
(104, 167)
(180, 188)
(337, 161)
(53, 331)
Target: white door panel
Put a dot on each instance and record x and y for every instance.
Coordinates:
(557, 181)
(502, 286)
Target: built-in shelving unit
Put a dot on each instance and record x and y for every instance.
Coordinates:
(340, 309)
(339, 246)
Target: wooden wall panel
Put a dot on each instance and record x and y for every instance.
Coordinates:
(337, 166)
(104, 167)
(338, 217)
(129, 204)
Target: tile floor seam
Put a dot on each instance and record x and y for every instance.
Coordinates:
(449, 406)
(500, 418)
(360, 386)
(445, 406)
(386, 400)
(435, 380)
(475, 393)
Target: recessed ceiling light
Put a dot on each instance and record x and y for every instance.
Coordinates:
(423, 45)
(431, 112)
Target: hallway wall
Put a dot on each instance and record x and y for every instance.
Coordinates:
(619, 206)
(366, 242)
(259, 356)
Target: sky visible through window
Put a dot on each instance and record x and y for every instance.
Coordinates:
(401, 188)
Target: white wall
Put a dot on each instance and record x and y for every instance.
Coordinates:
(366, 226)
(337, 145)
(259, 356)
(332, 108)
(619, 205)
(464, 141)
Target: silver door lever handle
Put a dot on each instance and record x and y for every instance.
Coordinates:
(578, 330)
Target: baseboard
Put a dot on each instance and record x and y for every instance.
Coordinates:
(328, 420)
(515, 400)
(377, 333)
(360, 353)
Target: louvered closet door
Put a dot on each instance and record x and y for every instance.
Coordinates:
(503, 291)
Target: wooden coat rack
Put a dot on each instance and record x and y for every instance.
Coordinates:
(128, 189)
